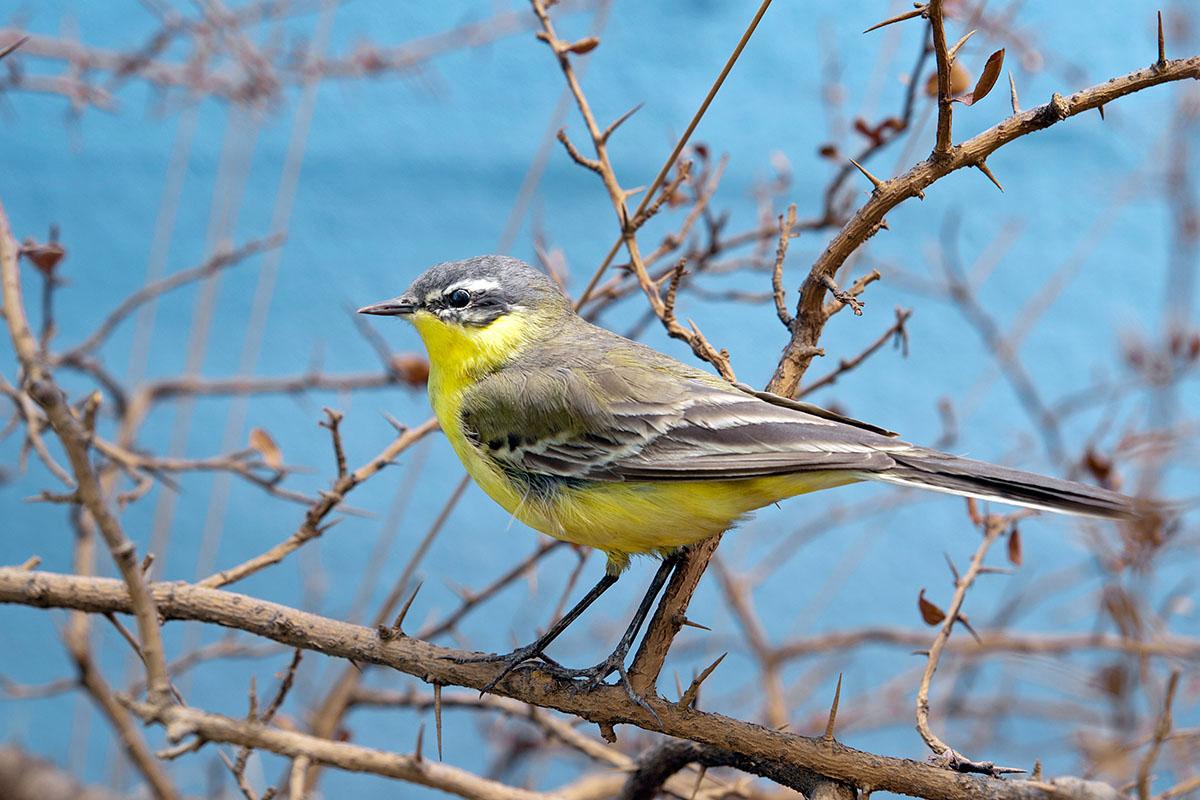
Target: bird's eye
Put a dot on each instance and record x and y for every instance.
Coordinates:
(459, 298)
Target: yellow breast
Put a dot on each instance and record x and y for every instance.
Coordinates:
(458, 356)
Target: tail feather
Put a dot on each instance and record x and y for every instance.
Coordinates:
(930, 469)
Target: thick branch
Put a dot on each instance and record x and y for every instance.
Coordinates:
(607, 704)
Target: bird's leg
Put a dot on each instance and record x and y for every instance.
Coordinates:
(594, 676)
(534, 650)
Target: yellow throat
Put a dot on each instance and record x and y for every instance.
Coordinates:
(460, 354)
(458, 357)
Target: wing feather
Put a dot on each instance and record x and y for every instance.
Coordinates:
(605, 423)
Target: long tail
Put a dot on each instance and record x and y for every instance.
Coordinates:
(942, 472)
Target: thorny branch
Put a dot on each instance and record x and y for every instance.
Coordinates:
(993, 527)
(39, 384)
(865, 222)
(629, 223)
(312, 526)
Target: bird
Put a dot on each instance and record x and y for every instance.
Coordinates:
(598, 440)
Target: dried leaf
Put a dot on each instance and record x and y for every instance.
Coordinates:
(264, 445)
(973, 511)
(890, 124)
(987, 79)
(877, 134)
(929, 612)
(584, 45)
(1015, 557)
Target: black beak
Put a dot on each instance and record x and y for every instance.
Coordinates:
(396, 307)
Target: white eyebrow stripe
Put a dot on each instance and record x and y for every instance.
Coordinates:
(473, 285)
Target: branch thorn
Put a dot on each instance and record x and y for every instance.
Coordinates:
(1162, 44)
(957, 45)
(983, 167)
(833, 710)
(619, 121)
(576, 156)
(689, 697)
(397, 628)
(842, 296)
(420, 743)
(919, 11)
(875, 182)
(437, 715)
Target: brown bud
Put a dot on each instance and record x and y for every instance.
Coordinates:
(960, 80)
(584, 45)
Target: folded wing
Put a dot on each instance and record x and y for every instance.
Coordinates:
(608, 424)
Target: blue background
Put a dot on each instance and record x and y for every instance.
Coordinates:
(405, 171)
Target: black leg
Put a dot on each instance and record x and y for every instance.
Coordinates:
(594, 676)
(531, 651)
(617, 659)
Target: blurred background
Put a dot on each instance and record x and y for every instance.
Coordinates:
(1053, 328)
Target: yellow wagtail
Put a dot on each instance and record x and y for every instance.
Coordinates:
(598, 440)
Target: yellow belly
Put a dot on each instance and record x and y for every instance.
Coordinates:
(631, 517)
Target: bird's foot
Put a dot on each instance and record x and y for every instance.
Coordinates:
(527, 657)
(585, 680)
(589, 678)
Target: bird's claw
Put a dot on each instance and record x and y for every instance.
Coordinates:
(528, 657)
(590, 678)
(582, 680)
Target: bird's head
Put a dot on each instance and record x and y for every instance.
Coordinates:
(478, 311)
